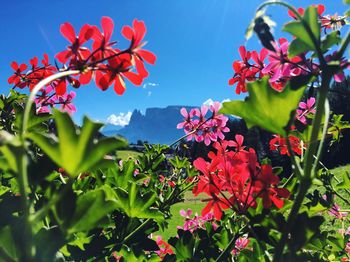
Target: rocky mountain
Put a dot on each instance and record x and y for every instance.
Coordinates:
(157, 125)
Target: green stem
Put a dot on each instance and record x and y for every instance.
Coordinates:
(304, 186)
(296, 166)
(324, 133)
(132, 234)
(28, 250)
(316, 124)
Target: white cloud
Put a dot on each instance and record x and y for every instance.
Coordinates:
(208, 102)
(149, 84)
(149, 93)
(119, 120)
(225, 100)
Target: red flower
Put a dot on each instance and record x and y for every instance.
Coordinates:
(136, 34)
(216, 205)
(18, 76)
(75, 51)
(279, 143)
(267, 190)
(118, 67)
(102, 47)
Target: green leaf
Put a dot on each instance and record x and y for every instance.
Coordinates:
(266, 107)
(135, 204)
(331, 39)
(297, 28)
(91, 208)
(345, 184)
(297, 47)
(8, 249)
(347, 2)
(76, 151)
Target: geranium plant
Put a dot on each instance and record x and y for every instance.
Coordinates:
(65, 196)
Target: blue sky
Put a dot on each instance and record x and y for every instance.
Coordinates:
(195, 42)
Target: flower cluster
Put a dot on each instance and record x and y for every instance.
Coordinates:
(280, 67)
(234, 179)
(100, 61)
(197, 126)
(306, 109)
(279, 143)
(333, 22)
(192, 224)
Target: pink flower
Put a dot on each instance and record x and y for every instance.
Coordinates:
(66, 102)
(241, 243)
(280, 65)
(335, 211)
(187, 213)
(347, 247)
(305, 109)
(200, 128)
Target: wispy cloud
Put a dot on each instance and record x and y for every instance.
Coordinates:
(149, 84)
(122, 119)
(149, 93)
(210, 101)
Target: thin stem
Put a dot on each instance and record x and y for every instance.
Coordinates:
(316, 124)
(324, 133)
(131, 235)
(304, 186)
(297, 167)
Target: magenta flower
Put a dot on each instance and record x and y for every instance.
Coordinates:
(280, 66)
(197, 126)
(241, 243)
(66, 102)
(335, 211)
(305, 109)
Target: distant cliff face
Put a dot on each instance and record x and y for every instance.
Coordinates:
(158, 125)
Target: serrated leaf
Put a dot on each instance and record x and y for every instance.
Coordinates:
(331, 39)
(266, 107)
(91, 208)
(297, 29)
(76, 151)
(135, 204)
(345, 184)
